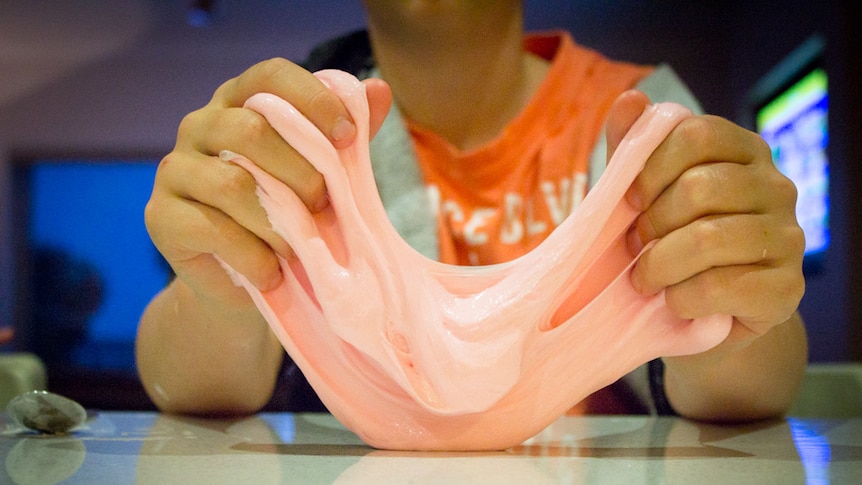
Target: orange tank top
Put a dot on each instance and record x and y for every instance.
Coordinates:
(498, 202)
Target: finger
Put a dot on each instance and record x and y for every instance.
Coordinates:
(622, 115)
(298, 87)
(203, 231)
(379, 102)
(703, 190)
(228, 188)
(713, 242)
(249, 133)
(738, 291)
(696, 140)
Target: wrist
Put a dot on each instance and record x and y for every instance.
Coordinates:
(741, 379)
(234, 305)
(196, 356)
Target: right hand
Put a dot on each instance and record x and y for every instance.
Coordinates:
(201, 205)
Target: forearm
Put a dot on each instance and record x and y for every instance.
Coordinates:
(195, 358)
(740, 383)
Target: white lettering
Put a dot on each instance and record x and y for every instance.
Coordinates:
(580, 191)
(473, 234)
(534, 226)
(452, 210)
(558, 206)
(434, 199)
(512, 229)
(519, 218)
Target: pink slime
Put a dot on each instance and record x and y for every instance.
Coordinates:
(413, 354)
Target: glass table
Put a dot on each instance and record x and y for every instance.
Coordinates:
(130, 447)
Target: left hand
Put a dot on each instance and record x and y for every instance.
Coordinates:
(724, 219)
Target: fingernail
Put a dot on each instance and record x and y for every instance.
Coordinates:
(320, 204)
(343, 129)
(636, 282)
(633, 239)
(272, 283)
(634, 199)
(227, 155)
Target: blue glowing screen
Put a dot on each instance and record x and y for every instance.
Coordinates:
(89, 217)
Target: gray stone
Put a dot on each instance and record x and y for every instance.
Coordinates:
(46, 412)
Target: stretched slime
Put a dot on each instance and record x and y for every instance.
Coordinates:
(413, 354)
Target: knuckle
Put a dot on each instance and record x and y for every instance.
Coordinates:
(160, 227)
(165, 164)
(762, 148)
(696, 127)
(242, 127)
(151, 216)
(254, 126)
(696, 133)
(235, 183)
(695, 186)
(170, 162)
(705, 235)
(781, 188)
(197, 130)
(795, 238)
(189, 124)
(787, 292)
(786, 189)
(272, 67)
(155, 205)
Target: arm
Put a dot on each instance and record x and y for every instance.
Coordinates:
(727, 242)
(200, 357)
(202, 346)
(740, 381)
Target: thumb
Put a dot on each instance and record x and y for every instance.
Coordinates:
(379, 101)
(623, 113)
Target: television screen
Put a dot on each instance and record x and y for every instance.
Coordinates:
(91, 265)
(795, 125)
(789, 108)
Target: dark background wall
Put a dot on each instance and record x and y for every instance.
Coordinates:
(113, 78)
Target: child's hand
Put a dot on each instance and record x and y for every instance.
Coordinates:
(727, 242)
(724, 218)
(202, 205)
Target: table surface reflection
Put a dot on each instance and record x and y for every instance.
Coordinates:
(126, 447)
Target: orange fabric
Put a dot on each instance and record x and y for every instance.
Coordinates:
(500, 201)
